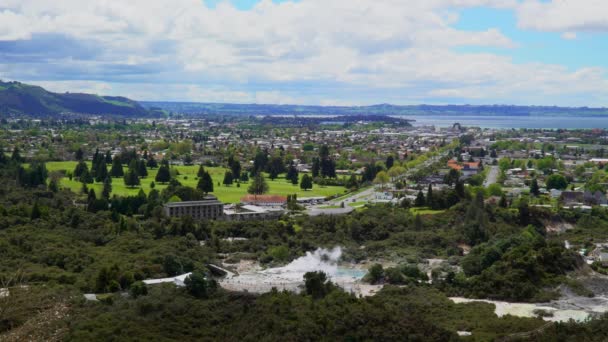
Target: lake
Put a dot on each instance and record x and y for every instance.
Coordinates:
(504, 121)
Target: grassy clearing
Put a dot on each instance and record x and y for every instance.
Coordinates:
(227, 194)
(425, 211)
(357, 204)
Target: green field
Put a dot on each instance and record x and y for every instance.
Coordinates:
(226, 194)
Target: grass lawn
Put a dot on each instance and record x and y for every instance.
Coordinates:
(226, 194)
(357, 204)
(425, 211)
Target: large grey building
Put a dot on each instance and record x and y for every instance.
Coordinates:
(207, 209)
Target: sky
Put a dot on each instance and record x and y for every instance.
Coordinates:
(320, 52)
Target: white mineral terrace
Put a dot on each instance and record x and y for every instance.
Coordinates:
(562, 310)
(291, 277)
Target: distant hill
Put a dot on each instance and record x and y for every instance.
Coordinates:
(194, 108)
(23, 99)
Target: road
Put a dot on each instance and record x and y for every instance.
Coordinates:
(319, 210)
(492, 176)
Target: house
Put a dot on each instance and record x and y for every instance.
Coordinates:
(264, 200)
(207, 209)
(467, 168)
(569, 198)
(596, 198)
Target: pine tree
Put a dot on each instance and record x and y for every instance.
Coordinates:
(292, 174)
(235, 167)
(534, 188)
(107, 188)
(164, 174)
(108, 158)
(131, 179)
(430, 201)
(205, 183)
(390, 161)
(116, 170)
(80, 169)
(142, 171)
(420, 201)
(201, 171)
(151, 163)
(102, 171)
(316, 167)
(228, 179)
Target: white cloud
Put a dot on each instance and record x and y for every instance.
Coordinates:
(564, 15)
(311, 51)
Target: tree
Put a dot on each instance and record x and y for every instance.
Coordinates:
(205, 183)
(228, 179)
(381, 178)
(292, 174)
(316, 167)
(131, 179)
(556, 181)
(459, 188)
(188, 159)
(430, 201)
(151, 163)
(164, 174)
(534, 188)
(79, 154)
(235, 168)
(138, 289)
(142, 171)
(316, 284)
(53, 185)
(198, 285)
(390, 161)
(116, 170)
(276, 166)
(306, 182)
(201, 171)
(80, 169)
(107, 188)
(108, 158)
(452, 177)
(258, 185)
(395, 172)
(101, 172)
(260, 161)
(420, 201)
(352, 182)
(375, 274)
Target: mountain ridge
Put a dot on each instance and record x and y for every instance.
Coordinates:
(18, 98)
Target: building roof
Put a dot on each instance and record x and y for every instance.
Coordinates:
(209, 200)
(264, 199)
